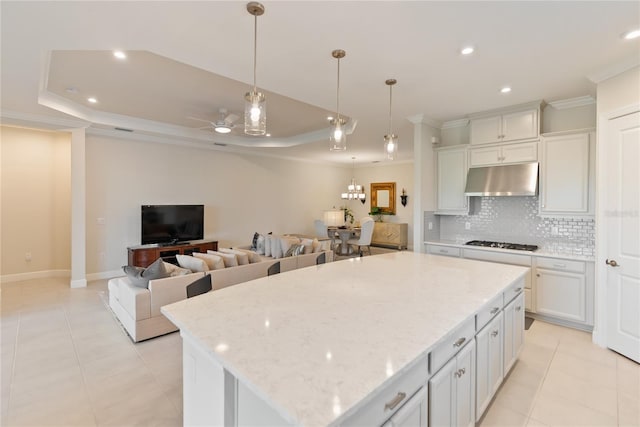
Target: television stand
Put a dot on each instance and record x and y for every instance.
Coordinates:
(144, 255)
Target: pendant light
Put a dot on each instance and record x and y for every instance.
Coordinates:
(390, 139)
(338, 137)
(255, 106)
(354, 191)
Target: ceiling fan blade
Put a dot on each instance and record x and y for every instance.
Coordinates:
(200, 120)
(231, 119)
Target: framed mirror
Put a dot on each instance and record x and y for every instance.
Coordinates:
(383, 196)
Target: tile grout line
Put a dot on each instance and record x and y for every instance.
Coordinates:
(13, 364)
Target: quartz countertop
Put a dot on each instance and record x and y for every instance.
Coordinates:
(316, 342)
(548, 250)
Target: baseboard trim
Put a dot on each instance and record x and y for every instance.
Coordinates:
(78, 283)
(104, 275)
(561, 322)
(19, 277)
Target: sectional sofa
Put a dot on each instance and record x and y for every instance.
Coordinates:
(138, 309)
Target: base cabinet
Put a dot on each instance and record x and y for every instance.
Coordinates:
(513, 331)
(414, 413)
(561, 294)
(489, 363)
(452, 391)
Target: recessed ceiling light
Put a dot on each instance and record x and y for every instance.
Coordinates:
(631, 35)
(505, 89)
(119, 54)
(329, 117)
(467, 50)
(268, 134)
(92, 100)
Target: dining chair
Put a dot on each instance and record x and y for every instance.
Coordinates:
(323, 233)
(366, 232)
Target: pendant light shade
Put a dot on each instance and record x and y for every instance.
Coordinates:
(338, 137)
(255, 106)
(390, 139)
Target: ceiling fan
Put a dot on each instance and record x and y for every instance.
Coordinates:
(225, 122)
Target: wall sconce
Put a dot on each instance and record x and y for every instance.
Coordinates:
(403, 198)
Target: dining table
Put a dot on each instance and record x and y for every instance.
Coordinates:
(344, 234)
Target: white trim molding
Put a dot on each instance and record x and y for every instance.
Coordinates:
(43, 274)
(580, 101)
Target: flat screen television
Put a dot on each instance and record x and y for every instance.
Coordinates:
(171, 224)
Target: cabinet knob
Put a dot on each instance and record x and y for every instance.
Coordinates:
(494, 310)
(518, 308)
(537, 274)
(516, 290)
(494, 333)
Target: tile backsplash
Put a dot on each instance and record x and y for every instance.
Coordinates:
(516, 220)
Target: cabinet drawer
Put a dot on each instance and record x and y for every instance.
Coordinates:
(560, 264)
(505, 258)
(452, 344)
(513, 291)
(486, 313)
(391, 398)
(443, 250)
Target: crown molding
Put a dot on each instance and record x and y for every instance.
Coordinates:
(580, 101)
(613, 70)
(455, 123)
(40, 121)
(422, 119)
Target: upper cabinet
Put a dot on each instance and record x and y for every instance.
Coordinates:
(507, 126)
(567, 174)
(451, 178)
(503, 154)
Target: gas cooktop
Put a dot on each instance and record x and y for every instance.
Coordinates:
(502, 245)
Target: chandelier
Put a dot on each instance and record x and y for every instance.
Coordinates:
(354, 190)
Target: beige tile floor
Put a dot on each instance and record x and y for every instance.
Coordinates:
(65, 361)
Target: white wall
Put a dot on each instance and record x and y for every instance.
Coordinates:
(36, 202)
(402, 175)
(242, 194)
(619, 91)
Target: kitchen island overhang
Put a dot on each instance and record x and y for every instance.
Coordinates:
(314, 345)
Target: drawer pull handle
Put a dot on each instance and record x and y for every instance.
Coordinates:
(459, 342)
(516, 290)
(494, 333)
(518, 308)
(560, 265)
(395, 401)
(459, 373)
(494, 310)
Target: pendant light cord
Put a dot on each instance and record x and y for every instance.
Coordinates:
(390, 99)
(255, 50)
(338, 95)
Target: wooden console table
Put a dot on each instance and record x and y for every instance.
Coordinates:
(389, 234)
(144, 255)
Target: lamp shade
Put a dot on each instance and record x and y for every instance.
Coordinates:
(334, 218)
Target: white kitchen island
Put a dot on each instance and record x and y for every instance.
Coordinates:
(322, 345)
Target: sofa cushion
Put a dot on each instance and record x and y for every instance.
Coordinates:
(230, 260)
(192, 263)
(140, 276)
(276, 247)
(286, 242)
(254, 241)
(267, 244)
(243, 258)
(173, 270)
(214, 262)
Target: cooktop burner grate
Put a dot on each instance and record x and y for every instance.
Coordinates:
(502, 245)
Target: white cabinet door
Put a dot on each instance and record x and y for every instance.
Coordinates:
(484, 156)
(452, 391)
(561, 294)
(486, 130)
(519, 153)
(565, 175)
(466, 386)
(489, 363)
(520, 125)
(513, 331)
(442, 396)
(414, 413)
(451, 180)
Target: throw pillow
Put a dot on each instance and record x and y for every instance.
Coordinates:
(140, 276)
(173, 270)
(295, 250)
(287, 241)
(230, 260)
(308, 245)
(260, 247)
(214, 262)
(276, 247)
(253, 256)
(254, 242)
(317, 247)
(243, 258)
(192, 263)
(267, 244)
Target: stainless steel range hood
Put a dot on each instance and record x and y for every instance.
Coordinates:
(507, 180)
